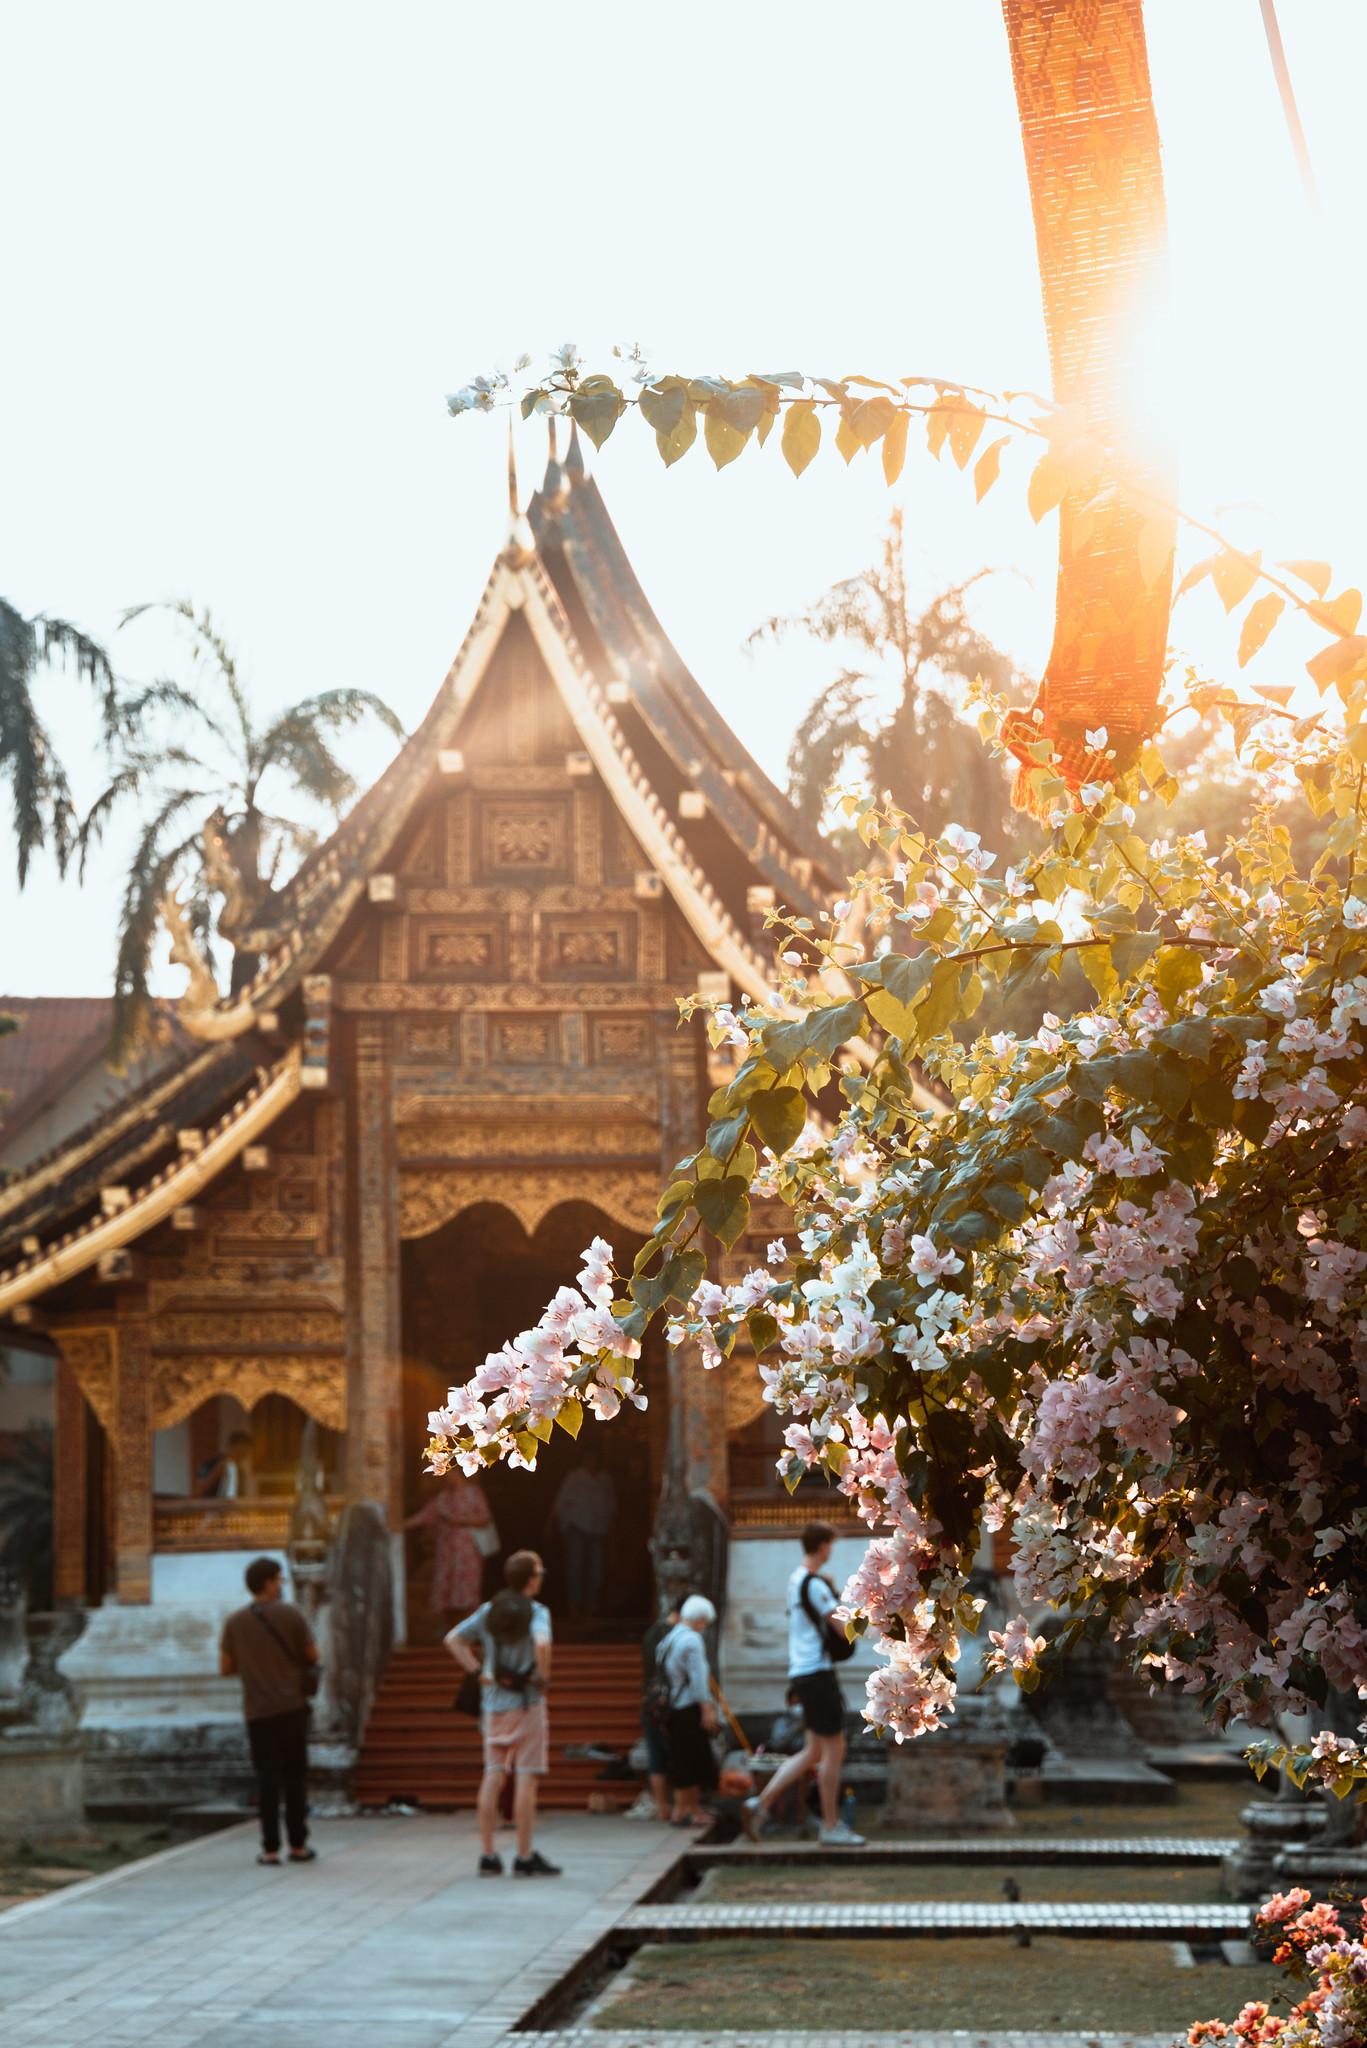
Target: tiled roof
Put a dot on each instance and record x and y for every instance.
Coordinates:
(58, 1038)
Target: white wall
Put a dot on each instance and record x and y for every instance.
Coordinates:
(754, 1644)
(171, 1459)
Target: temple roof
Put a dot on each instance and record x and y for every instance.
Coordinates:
(723, 838)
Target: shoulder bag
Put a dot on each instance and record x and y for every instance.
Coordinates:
(834, 1640)
(310, 1672)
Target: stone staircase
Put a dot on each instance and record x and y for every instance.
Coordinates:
(417, 1748)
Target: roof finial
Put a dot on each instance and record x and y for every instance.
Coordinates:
(574, 457)
(520, 545)
(553, 453)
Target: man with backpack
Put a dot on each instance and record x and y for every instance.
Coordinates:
(815, 1645)
(269, 1645)
(507, 1642)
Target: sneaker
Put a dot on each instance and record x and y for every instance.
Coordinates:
(534, 1865)
(840, 1837)
(491, 1866)
(642, 1809)
(752, 1818)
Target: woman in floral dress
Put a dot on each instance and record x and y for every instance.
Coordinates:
(458, 1569)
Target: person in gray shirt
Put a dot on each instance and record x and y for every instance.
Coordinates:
(692, 1715)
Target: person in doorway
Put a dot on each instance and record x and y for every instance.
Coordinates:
(465, 1535)
(653, 1803)
(229, 1474)
(692, 1716)
(269, 1645)
(508, 1642)
(584, 1510)
(813, 1683)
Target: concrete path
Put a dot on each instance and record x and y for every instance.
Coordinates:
(389, 1940)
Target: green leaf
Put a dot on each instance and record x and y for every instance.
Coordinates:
(677, 443)
(597, 406)
(1007, 1202)
(724, 1206)
(897, 1019)
(723, 1137)
(724, 442)
(821, 1032)
(763, 1330)
(571, 1417)
(1095, 962)
(966, 1231)
(895, 447)
(780, 1117)
(907, 979)
(664, 404)
(1129, 955)
(1176, 969)
(801, 435)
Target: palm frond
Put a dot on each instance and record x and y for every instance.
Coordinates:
(39, 792)
(205, 638)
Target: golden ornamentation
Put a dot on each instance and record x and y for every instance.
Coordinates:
(92, 1353)
(183, 1381)
(521, 1039)
(216, 1327)
(589, 946)
(619, 1038)
(559, 1131)
(528, 835)
(433, 1196)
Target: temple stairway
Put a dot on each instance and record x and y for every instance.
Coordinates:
(418, 1749)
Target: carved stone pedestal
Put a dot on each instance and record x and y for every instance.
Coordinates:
(954, 1781)
(42, 1782)
(1272, 1829)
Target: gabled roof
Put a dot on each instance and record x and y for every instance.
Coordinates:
(651, 733)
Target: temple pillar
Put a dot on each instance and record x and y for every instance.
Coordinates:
(375, 1446)
(133, 1528)
(70, 1486)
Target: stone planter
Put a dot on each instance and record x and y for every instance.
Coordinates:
(954, 1781)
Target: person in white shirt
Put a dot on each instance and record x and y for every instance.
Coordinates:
(813, 1683)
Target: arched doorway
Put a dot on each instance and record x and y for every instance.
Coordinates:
(466, 1289)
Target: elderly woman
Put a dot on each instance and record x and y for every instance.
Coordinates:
(692, 1716)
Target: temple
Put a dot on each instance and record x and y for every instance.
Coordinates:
(460, 1057)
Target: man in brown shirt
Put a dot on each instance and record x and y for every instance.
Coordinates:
(269, 1645)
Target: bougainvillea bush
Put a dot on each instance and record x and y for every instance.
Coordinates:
(1113, 1297)
(1312, 1945)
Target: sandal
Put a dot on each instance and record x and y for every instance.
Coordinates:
(271, 1856)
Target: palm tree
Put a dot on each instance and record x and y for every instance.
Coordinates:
(39, 792)
(923, 751)
(204, 770)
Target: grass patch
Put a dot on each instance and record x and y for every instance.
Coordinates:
(977, 1983)
(29, 1868)
(1040, 1883)
(1202, 1807)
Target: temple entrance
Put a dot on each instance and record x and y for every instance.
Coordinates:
(589, 1507)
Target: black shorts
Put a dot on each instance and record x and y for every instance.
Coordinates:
(818, 1695)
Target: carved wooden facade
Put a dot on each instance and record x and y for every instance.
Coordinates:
(473, 998)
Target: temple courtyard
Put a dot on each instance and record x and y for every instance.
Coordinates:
(1076, 1921)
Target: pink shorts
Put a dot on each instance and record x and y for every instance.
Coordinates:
(517, 1740)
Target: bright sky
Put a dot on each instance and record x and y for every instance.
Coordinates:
(250, 248)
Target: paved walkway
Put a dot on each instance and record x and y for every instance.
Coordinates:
(389, 1940)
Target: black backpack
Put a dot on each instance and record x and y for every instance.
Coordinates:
(834, 1641)
(655, 1697)
(509, 1623)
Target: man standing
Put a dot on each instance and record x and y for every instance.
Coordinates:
(813, 1683)
(584, 1511)
(508, 1642)
(269, 1645)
